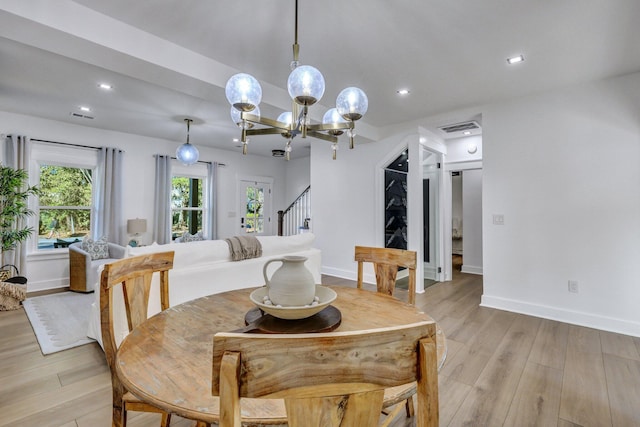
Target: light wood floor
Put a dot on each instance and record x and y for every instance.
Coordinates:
(502, 369)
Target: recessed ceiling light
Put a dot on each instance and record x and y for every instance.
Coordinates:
(403, 92)
(85, 109)
(515, 59)
(235, 140)
(105, 86)
(466, 133)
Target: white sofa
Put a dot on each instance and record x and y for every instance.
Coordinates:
(204, 268)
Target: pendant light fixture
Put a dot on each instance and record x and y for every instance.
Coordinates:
(306, 86)
(187, 154)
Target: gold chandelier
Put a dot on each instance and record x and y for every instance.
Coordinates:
(306, 87)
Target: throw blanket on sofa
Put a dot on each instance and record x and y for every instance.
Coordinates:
(244, 247)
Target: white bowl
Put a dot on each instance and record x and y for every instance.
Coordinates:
(326, 296)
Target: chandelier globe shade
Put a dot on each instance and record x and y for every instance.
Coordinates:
(187, 153)
(332, 117)
(286, 118)
(243, 92)
(352, 103)
(236, 116)
(306, 85)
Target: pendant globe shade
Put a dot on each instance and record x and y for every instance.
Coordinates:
(332, 117)
(187, 154)
(243, 92)
(306, 85)
(352, 103)
(237, 118)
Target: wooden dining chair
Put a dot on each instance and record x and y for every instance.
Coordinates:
(134, 275)
(329, 379)
(386, 262)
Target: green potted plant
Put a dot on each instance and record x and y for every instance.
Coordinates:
(14, 195)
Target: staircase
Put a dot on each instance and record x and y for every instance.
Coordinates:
(295, 219)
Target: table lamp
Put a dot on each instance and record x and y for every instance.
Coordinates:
(136, 227)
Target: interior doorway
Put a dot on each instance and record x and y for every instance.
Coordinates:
(431, 168)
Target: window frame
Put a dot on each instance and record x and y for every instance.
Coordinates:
(195, 171)
(56, 155)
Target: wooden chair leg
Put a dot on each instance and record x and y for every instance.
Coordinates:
(119, 416)
(166, 420)
(409, 407)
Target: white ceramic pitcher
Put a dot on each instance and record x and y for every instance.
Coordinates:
(292, 284)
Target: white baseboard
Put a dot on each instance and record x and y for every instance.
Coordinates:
(349, 275)
(562, 315)
(45, 285)
(471, 269)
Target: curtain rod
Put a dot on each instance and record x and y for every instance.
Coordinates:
(65, 143)
(202, 161)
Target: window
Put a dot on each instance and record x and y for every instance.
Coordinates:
(65, 205)
(187, 205)
(63, 211)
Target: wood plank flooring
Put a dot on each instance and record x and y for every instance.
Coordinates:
(502, 369)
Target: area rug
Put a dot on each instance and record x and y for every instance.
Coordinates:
(60, 320)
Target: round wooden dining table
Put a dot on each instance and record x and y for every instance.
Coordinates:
(167, 360)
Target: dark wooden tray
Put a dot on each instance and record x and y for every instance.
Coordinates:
(258, 321)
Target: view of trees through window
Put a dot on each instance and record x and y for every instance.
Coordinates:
(186, 205)
(64, 206)
(254, 212)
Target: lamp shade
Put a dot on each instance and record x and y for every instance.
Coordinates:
(136, 226)
(286, 118)
(306, 85)
(352, 103)
(235, 115)
(187, 154)
(332, 117)
(243, 92)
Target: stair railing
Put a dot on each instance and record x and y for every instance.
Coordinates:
(295, 219)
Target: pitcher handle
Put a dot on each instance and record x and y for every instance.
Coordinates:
(264, 269)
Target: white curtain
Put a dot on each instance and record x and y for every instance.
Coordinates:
(162, 211)
(212, 200)
(18, 156)
(107, 215)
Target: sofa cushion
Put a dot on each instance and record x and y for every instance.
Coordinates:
(97, 249)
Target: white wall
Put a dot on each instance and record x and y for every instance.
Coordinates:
(51, 270)
(472, 221)
(298, 178)
(564, 169)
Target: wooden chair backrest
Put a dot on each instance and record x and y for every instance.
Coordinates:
(134, 274)
(328, 379)
(385, 263)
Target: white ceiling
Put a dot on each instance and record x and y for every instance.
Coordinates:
(170, 59)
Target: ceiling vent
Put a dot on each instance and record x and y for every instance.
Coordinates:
(80, 116)
(460, 127)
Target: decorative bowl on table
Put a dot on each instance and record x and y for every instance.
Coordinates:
(325, 297)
